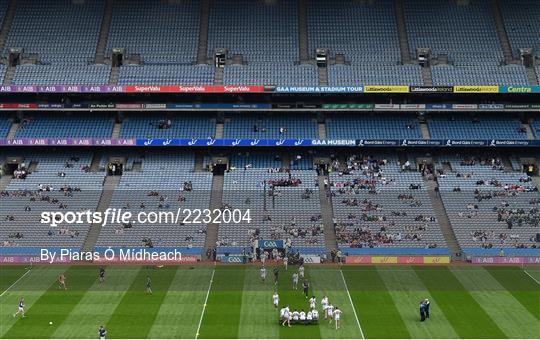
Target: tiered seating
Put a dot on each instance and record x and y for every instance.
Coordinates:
(62, 125)
(161, 32)
(345, 75)
(24, 195)
(367, 35)
(489, 208)
(258, 160)
(301, 161)
(5, 124)
(166, 75)
(292, 214)
(275, 126)
(60, 31)
(480, 74)
(61, 74)
(535, 124)
(183, 126)
(2, 72)
(375, 206)
(164, 174)
(376, 126)
(521, 22)
(268, 74)
(465, 32)
(464, 127)
(261, 32)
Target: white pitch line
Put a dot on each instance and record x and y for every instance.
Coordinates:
(352, 304)
(205, 301)
(535, 280)
(14, 283)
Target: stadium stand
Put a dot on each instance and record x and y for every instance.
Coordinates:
(535, 124)
(5, 124)
(166, 75)
(477, 127)
(285, 192)
(488, 207)
(61, 74)
(479, 74)
(262, 32)
(378, 204)
(141, 125)
(257, 160)
(366, 34)
(269, 74)
(344, 75)
(165, 183)
(270, 126)
(365, 126)
(350, 27)
(59, 31)
(62, 125)
(467, 35)
(171, 39)
(59, 182)
(521, 24)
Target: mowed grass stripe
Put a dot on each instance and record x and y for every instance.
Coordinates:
(54, 305)
(31, 287)
(374, 305)
(222, 315)
(407, 290)
(465, 314)
(258, 316)
(296, 300)
(180, 310)
(510, 315)
(98, 304)
(329, 282)
(520, 285)
(9, 275)
(136, 312)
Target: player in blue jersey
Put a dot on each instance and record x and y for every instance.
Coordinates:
(102, 332)
(21, 308)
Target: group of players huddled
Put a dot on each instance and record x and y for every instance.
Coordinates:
(288, 317)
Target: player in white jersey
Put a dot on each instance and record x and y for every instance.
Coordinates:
(330, 310)
(286, 316)
(295, 315)
(315, 314)
(324, 303)
(286, 262)
(263, 274)
(302, 315)
(263, 258)
(301, 271)
(312, 303)
(309, 316)
(275, 299)
(21, 308)
(337, 316)
(295, 281)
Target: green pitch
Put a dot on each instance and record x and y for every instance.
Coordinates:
(232, 302)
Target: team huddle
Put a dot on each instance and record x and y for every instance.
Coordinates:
(288, 317)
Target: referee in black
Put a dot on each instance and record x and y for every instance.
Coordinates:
(306, 288)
